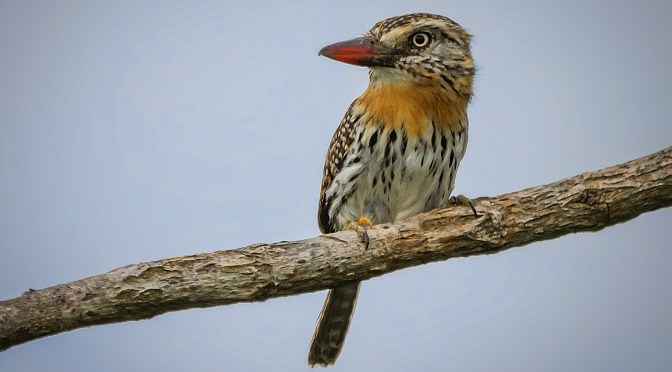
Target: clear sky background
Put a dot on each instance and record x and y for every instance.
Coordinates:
(134, 131)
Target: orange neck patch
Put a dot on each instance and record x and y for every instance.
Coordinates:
(413, 107)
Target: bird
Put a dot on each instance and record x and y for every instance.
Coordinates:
(396, 151)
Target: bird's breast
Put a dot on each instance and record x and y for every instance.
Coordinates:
(412, 108)
(390, 174)
(408, 141)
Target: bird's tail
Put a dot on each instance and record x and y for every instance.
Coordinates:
(332, 325)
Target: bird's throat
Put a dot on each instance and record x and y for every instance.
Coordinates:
(413, 108)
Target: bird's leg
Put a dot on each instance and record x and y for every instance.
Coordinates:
(360, 227)
(463, 200)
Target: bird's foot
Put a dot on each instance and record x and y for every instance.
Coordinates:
(360, 227)
(463, 200)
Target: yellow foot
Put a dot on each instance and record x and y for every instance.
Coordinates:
(463, 200)
(360, 227)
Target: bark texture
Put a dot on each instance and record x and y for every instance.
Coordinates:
(587, 202)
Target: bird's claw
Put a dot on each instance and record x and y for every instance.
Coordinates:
(463, 200)
(361, 228)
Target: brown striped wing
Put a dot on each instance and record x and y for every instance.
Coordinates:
(338, 150)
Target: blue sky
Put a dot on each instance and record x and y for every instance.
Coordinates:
(135, 131)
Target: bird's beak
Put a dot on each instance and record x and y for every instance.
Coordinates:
(361, 51)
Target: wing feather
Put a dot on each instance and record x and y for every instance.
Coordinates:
(341, 144)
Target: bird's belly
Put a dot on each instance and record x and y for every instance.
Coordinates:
(401, 180)
(413, 190)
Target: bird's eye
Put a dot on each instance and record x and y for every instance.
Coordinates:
(421, 39)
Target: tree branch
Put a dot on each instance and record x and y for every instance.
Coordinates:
(587, 202)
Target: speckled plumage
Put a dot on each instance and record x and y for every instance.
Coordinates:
(396, 151)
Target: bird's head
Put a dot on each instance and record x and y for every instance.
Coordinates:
(414, 49)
